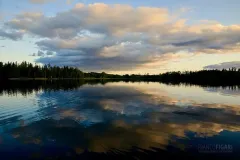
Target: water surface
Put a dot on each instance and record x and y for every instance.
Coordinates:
(72, 118)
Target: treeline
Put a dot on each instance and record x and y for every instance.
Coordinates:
(203, 77)
(28, 70)
(225, 77)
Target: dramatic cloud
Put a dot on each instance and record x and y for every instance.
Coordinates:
(225, 65)
(99, 36)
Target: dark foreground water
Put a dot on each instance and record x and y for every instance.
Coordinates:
(68, 120)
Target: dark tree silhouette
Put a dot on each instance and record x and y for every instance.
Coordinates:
(204, 77)
(28, 70)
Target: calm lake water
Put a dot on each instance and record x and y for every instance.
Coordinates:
(70, 119)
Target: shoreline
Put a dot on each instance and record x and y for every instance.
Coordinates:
(139, 79)
(64, 78)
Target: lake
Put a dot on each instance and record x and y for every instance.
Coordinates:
(139, 119)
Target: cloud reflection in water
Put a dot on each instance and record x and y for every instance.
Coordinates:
(120, 116)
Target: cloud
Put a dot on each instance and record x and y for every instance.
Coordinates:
(40, 53)
(49, 53)
(40, 1)
(97, 36)
(225, 65)
(14, 35)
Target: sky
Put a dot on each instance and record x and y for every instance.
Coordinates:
(122, 36)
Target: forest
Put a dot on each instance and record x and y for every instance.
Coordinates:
(28, 70)
(11, 70)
